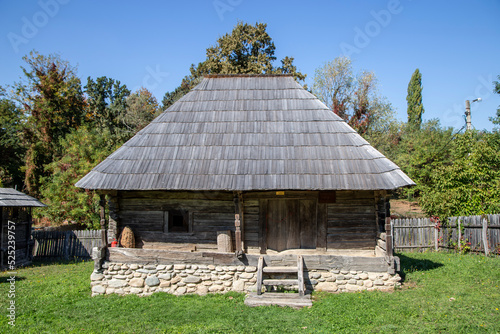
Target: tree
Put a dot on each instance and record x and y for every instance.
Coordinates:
(106, 104)
(11, 147)
(142, 108)
(248, 49)
(470, 185)
(421, 153)
(414, 100)
(496, 90)
(54, 104)
(352, 97)
(83, 149)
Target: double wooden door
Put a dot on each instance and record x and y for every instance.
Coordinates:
(291, 224)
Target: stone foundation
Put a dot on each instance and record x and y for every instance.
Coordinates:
(180, 279)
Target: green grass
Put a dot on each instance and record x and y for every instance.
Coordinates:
(442, 292)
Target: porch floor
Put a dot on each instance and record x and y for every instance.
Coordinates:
(335, 252)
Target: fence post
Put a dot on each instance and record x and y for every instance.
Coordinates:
(485, 236)
(459, 243)
(66, 245)
(436, 239)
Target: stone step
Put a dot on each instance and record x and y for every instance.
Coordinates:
(282, 270)
(280, 282)
(281, 299)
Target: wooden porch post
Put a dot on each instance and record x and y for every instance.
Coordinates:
(102, 212)
(237, 224)
(388, 237)
(263, 225)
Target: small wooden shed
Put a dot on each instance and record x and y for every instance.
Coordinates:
(256, 160)
(15, 241)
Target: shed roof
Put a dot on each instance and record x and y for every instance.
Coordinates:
(241, 132)
(11, 197)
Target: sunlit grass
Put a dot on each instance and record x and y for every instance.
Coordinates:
(442, 292)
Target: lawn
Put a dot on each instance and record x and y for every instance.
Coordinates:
(442, 292)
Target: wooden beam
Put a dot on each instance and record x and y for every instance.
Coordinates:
(300, 274)
(260, 268)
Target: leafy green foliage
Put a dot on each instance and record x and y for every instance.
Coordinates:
(83, 149)
(351, 96)
(12, 157)
(496, 90)
(422, 152)
(142, 107)
(470, 185)
(248, 49)
(53, 101)
(55, 298)
(106, 104)
(414, 100)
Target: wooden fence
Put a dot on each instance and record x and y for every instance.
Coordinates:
(67, 244)
(473, 233)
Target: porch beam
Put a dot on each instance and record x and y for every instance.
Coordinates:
(102, 214)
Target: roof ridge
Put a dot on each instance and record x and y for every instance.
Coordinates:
(246, 75)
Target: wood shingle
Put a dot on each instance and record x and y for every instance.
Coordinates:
(241, 133)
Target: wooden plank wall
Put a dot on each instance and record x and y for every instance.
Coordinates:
(21, 229)
(352, 221)
(209, 212)
(251, 226)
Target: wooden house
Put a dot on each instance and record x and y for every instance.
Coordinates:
(249, 167)
(15, 226)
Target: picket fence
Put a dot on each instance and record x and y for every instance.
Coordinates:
(65, 244)
(473, 233)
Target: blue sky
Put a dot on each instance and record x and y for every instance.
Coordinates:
(455, 44)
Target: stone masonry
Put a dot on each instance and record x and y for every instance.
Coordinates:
(180, 279)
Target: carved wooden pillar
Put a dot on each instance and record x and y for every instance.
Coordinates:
(238, 217)
(113, 222)
(102, 212)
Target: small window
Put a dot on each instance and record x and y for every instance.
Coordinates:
(178, 221)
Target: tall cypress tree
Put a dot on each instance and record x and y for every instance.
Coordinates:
(414, 99)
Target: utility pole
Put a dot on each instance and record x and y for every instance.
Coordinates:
(468, 120)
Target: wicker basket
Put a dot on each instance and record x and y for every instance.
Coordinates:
(127, 239)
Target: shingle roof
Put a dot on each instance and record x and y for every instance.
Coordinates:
(12, 197)
(244, 132)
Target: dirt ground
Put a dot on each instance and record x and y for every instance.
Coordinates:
(404, 208)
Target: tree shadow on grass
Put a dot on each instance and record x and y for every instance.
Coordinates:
(53, 261)
(6, 278)
(409, 264)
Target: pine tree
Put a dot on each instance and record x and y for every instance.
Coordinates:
(414, 99)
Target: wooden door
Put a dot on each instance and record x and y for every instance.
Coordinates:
(291, 224)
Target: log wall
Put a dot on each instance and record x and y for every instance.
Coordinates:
(351, 221)
(346, 220)
(147, 214)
